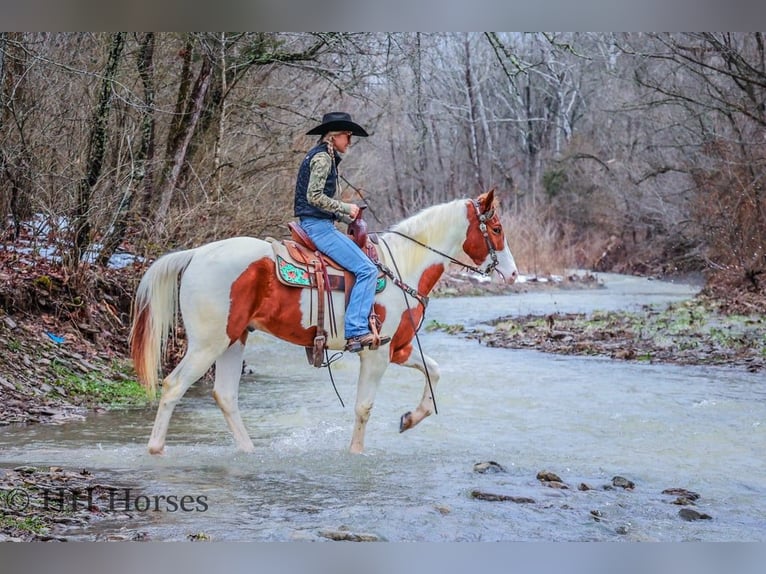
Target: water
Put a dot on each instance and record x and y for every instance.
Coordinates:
(586, 419)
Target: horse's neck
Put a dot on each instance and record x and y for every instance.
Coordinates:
(421, 267)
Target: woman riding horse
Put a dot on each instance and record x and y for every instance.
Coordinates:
(317, 207)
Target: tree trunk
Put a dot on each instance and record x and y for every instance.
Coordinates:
(178, 155)
(473, 119)
(216, 179)
(15, 162)
(96, 153)
(143, 167)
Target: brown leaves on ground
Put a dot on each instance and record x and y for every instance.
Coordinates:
(50, 317)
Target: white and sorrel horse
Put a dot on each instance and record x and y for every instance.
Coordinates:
(230, 287)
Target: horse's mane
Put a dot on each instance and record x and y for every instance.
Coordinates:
(433, 220)
(431, 226)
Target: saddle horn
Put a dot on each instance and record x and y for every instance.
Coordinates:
(357, 229)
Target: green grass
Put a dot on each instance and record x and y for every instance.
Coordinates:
(446, 327)
(32, 524)
(95, 388)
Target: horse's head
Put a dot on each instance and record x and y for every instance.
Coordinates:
(485, 240)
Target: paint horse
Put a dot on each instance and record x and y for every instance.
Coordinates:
(229, 288)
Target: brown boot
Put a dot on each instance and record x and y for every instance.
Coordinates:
(358, 343)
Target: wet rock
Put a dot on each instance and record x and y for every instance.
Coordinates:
(583, 487)
(114, 538)
(442, 509)
(691, 515)
(49, 538)
(596, 515)
(624, 354)
(682, 492)
(547, 476)
(346, 536)
(681, 501)
(622, 482)
(479, 495)
(551, 480)
(622, 530)
(198, 537)
(488, 467)
(562, 336)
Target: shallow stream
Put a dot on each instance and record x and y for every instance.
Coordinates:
(585, 419)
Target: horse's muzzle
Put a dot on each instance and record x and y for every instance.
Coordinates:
(510, 278)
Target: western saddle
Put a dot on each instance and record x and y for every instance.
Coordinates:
(300, 264)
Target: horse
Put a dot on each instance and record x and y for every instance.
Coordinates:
(228, 288)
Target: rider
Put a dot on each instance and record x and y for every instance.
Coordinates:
(318, 208)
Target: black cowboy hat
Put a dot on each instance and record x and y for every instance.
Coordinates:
(337, 122)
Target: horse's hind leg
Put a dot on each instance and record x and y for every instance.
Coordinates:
(228, 371)
(195, 363)
(426, 406)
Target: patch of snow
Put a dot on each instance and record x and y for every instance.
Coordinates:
(475, 277)
(42, 226)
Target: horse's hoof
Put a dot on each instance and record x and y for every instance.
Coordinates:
(157, 450)
(405, 422)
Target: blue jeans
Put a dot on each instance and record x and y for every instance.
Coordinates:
(342, 249)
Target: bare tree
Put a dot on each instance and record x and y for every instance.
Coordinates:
(715, 83)
(142, 164)
(15, 157)
(95, 152)
(177, 151)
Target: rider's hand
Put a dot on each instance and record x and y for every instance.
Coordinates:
(354, 210)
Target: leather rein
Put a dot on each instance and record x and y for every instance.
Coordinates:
(483, 218)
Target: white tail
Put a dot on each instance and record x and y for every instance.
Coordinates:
(155, 312)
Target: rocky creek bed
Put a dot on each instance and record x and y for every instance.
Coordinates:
(694, 332)
(61, 504)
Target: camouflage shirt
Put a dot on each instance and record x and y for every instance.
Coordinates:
(321, 164)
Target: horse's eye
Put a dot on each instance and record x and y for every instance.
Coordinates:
(498, 230)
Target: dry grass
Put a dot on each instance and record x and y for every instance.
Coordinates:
(541, 247)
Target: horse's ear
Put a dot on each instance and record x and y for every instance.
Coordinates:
(487, 200)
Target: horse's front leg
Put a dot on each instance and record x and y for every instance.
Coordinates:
(372, 366)
(426, 406)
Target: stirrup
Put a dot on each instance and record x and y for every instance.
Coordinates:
(315, 354)
(358, 343)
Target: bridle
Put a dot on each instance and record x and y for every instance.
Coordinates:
(483, 218)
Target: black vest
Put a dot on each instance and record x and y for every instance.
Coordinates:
(301, 206)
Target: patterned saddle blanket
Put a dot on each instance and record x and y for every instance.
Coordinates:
(300, 264)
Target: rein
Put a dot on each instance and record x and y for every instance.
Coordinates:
(483, 218)
(408, 290)
(423, 299)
